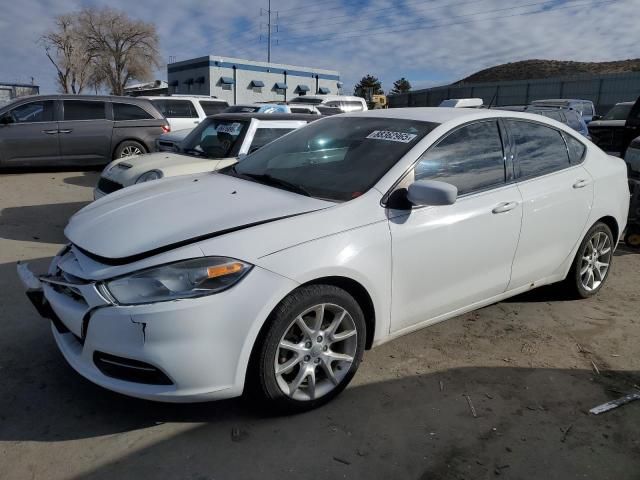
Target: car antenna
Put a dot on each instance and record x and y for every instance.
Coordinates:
(492, 99)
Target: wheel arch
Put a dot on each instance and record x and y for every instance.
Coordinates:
(612, 223)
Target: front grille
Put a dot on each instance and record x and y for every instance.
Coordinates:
(107, 186)
(129, 370)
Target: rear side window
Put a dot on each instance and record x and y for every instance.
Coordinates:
(540, 149)
(471, 158)
(41, 111)
(573, 120)
(266, 135)
(83, 110)
(126, 111)
(587, 108)
(576, 149)
(176, 108)
(211, 108)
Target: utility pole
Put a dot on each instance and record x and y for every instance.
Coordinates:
(269, 33)
(270, 27)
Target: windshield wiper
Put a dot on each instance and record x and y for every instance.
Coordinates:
(267, 179)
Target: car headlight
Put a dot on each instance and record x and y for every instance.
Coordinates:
(185, 279)
(150, 175)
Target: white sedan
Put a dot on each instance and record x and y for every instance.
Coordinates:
(215, 143)
(274, 275)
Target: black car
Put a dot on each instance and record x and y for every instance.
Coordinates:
(56, 130)
(615, 131)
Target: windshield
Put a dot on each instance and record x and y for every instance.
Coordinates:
(336, 159)
(618, 112)
(307, 100)
(215, 138)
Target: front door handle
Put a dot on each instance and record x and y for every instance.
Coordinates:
(50, 132)
(581, 183)
(66, 131)
(505, 207)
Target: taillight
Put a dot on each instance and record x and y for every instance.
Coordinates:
(166, 128)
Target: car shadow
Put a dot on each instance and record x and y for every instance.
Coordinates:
(87, 179)
(40, 223)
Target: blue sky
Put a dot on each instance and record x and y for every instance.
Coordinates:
(430, 42)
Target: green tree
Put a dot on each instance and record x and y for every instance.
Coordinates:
(401, 86)
(368, 86)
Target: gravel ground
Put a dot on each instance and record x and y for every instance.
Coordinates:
(526, 365)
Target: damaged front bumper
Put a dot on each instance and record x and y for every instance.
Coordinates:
(178, 351)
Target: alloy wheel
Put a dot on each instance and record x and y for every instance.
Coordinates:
(130, 151)
(316, 352)
(595, 262)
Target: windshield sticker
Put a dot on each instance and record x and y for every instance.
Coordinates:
(392, 136)
(231, 129)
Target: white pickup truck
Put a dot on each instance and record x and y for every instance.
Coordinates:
(217, 142)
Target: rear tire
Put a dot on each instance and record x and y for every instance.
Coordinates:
(632, 237)
(313, 346)
(129, 148)
(592, 263)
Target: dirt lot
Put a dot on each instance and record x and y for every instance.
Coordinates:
(526, 365)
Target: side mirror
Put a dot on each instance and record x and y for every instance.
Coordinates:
(241, 156)
(596, 117)
(432, 192)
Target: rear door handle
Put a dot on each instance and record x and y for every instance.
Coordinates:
(66, 131)
(581, 183)
(50, 132)
(505, 207)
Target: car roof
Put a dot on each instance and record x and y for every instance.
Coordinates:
(265, 116)
(444, 114)
(111, 98)
(333, 97)
(182, 97)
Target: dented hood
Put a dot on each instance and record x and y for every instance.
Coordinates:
(160, 215)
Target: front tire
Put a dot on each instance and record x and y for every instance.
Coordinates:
(312, 349)
(592, 263)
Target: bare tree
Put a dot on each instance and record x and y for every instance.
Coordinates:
(67, 52)
(122, 48)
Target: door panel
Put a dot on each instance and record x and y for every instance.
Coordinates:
(555, 214)
(556, 197)
(85, 133)
(449, 257)
(33, 137)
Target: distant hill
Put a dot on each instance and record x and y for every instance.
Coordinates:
(532, 69)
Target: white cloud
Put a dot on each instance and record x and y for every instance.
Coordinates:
(587, 31)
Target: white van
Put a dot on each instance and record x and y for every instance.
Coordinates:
(185, 112)
(344, 103)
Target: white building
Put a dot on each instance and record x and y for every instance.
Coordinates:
(245, 81)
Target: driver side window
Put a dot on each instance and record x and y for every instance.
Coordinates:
(471, 158)
(39, 111)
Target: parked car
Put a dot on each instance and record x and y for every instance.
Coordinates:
(583, 107)
(184, 112)
(565, 115)
(258, 108)
(216, 143)
(276, 273)
(344, 103)
(301, 108)
(56, 130)
(170, 142)
(614, 132)
(632, 159)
